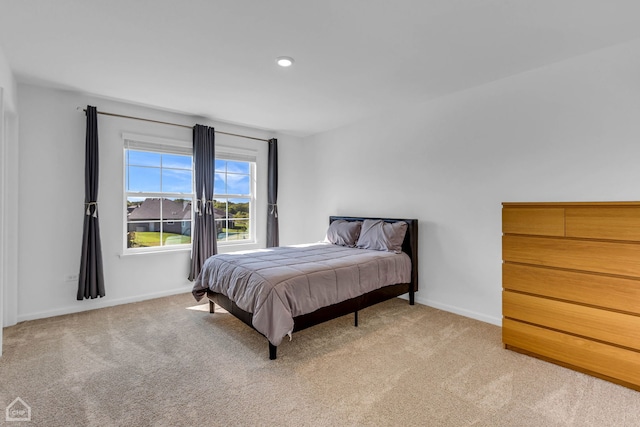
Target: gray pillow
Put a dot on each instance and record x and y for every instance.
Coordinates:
(344, 233)
(382, 236)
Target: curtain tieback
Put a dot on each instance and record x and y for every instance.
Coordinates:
(273, 209)
(206, 206)
(95, 209)
(209, 206)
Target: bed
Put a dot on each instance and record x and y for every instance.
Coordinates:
(278, 291)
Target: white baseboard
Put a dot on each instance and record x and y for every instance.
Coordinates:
(461, 311)
(109, 303)
(100, 303)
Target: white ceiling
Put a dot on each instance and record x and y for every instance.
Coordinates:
(354, 58)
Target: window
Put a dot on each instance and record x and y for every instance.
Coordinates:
(159, 194)
(233, 195)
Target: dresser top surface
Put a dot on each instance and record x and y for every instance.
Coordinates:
(569, 204)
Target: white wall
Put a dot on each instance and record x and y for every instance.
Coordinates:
(3, 204)
(9, 212)
(8, 142)
(8, 84)
(566, 132)
(51, 175)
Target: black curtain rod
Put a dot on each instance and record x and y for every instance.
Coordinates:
(171, 124)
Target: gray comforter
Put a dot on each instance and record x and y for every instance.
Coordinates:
(278, 284)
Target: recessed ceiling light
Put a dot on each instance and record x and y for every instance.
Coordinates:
(284, 61)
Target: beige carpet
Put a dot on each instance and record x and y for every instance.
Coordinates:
(168, 362)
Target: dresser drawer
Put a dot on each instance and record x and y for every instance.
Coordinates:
(533, 221)
(616, 293)
(611, 223)
(602, 325)
(595, 256)
(593, 357)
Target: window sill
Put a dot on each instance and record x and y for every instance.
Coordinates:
(222, 248)
(151, 252)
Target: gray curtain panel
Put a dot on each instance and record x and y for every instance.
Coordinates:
(204, 233)
(90, 279)
(273, 230)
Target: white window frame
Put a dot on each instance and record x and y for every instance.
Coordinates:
(172, 146)
(224, 152)
(156, 145)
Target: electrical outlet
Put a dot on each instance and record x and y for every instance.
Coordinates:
(71, 277)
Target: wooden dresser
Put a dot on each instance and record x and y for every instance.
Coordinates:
(571, 285)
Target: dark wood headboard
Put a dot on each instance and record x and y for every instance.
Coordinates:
(409, 245)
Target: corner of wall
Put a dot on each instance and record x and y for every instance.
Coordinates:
(2, 215)
(8, 116)
(9, 223)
